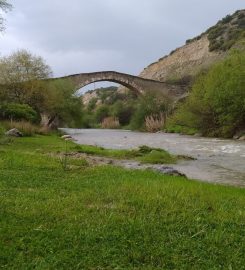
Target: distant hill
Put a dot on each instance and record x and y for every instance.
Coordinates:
(99, 94)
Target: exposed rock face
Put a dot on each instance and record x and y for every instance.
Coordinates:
(178, 69)
(87, 97)
(184, 61)
(200, 52)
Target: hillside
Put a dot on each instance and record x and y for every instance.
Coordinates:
(200, 52)
(153, 111)
(98, 95)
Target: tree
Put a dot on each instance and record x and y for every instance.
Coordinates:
(22, 66)
(4, 6)
(148, 105)
(101, 113)
(123, 111)
(17, 112)
(23, 80)
(216, 105)
(60, 105)
(20, 76)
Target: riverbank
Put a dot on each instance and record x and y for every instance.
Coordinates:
(215, 160)
(106, 217)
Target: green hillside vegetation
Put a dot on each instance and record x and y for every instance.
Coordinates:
(226, 33)
(128, 108)
(109, 102)
(26, 94)
(216, 104)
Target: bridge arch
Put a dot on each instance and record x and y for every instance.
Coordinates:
(137, 84)
(129, 81)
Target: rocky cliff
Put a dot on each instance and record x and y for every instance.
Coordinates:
(200, 52)
(183, 62)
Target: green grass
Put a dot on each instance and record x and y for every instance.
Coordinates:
(144, 154)
(111, 218)
(173, 128)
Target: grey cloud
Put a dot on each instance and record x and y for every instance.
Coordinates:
(123, 35)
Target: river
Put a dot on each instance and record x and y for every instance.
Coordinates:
(217, 160)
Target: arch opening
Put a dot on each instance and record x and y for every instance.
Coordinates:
(97, 85)
(103, 83)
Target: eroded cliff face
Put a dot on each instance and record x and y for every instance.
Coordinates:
(184, 61)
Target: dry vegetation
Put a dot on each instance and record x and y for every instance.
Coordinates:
(154, 123)
(110, 122)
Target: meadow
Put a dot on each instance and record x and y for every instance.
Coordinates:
(110, 218)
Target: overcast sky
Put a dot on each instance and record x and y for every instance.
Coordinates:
(92, 35)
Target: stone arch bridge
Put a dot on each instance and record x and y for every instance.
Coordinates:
(137, 84)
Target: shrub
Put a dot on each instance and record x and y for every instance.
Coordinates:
(110, 122)
(92, 104)
(149, 104)
(154, 123)
(227, 19)
(215, 106)
(101, 113)
(15, 111)
(123, 112)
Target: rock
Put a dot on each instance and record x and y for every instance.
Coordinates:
(14, 132)
(66, 137)
(239, 134)
(197, 135)
(109, 162)
(170, 171)
(242, 138)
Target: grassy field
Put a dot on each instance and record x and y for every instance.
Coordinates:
(111, 218)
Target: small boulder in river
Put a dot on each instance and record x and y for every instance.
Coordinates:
(14, 132)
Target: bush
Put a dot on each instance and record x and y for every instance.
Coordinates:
(110, 122)
(88, 120)
(14, 111)
(149, 104)
(123, 112)
(101, 113)
(216, 105)
(154, 123)
(92, 104)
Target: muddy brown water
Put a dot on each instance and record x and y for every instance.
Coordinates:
(217, 160)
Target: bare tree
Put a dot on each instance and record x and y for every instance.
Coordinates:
(4, 6)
